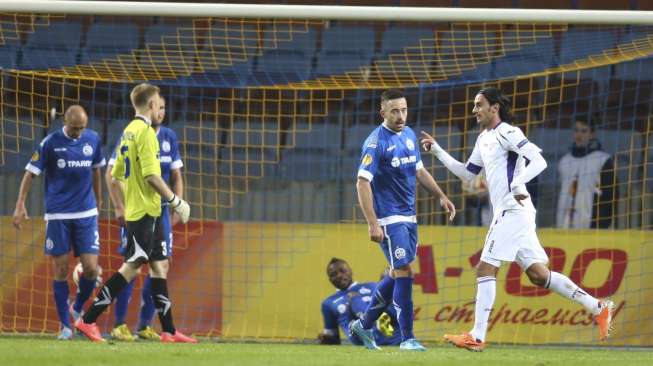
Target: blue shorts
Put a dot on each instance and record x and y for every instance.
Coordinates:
(167, 234)
(399, 243)
(80, 235)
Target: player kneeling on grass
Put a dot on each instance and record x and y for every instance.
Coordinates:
(502, 150)
(70, 159)
(138, 168)
(349, 303)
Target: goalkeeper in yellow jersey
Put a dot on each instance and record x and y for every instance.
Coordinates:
(349, 303)
(138, 167)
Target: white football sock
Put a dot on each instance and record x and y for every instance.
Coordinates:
(485, 293)
(562, 285)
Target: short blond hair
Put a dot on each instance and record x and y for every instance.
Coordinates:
(142, 93)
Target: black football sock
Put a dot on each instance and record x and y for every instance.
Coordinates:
(105, 297)
(162, 303)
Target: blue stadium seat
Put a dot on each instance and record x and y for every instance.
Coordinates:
(287, 54)
(396, 39)
(54, 46)
(105, 40)
(578, 44)
(345, 49)
(8, 57)
(354, 138)
(525, 54)
(636, 70)
(321, 136)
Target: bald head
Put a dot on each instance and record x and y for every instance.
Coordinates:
(75, 121)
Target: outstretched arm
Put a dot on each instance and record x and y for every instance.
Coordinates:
(426, 180)
(20, 212)
(465, 173)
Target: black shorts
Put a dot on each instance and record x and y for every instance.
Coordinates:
(145, 240)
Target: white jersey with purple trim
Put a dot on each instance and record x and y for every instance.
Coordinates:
(500, 151)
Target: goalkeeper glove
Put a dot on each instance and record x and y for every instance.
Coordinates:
(181, 207)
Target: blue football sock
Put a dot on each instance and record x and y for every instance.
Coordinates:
(61, 292)
(380, 300)
(147, 305)
(122, 303)
(85, 289)
(402, 299)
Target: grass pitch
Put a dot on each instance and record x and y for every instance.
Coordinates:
(23, 351)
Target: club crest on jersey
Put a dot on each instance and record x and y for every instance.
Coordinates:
(87, 150)
(49, 244)
(35, 156)
(400, 253)
(61, 163)
(342, 308)
(367, 159)
(165, 146)
(410, 145)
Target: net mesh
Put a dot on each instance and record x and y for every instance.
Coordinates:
(271, 116)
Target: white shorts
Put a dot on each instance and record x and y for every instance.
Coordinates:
(512, 238)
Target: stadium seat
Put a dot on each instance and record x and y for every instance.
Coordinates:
(99, 45)
(345, 49)
(635, 70)
(580, 44)
(525, 54)
(50, 47)
(321, 136)
(8, 57)
(397, 39)
(287, 54)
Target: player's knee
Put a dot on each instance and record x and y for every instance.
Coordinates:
(538, 277)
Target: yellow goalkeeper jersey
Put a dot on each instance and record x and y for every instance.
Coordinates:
(137, 156)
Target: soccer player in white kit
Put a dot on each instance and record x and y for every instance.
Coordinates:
(502, 150)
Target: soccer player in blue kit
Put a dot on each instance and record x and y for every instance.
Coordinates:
(349, 303)
(171, 164)
(389, 169)
(70, 159)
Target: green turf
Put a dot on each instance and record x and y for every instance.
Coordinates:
(22, 351)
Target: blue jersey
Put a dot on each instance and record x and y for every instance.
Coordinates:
(337, 311)
(389, 160)
(68, 166)
(169, 152)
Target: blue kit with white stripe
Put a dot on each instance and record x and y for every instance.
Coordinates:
(70, 206)
(390, 160)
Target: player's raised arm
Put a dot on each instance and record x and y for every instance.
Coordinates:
(465, 172)
(20, 212)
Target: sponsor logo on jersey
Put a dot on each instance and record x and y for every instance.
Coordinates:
(78, 163)
(410, 145)
(396, 162)
(367, 159)
(58, 149)
(165, 146)
(61, 163)
(364, 291)
(87, 150)
(400, 253)
(342, 308)
(35, 156)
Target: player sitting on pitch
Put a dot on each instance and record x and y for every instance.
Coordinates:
(349, 303)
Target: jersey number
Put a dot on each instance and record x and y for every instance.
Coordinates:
(123, 150)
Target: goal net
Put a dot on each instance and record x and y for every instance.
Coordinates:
(271, 115)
